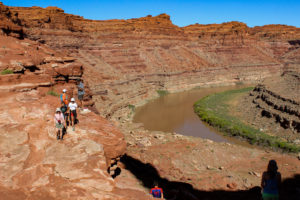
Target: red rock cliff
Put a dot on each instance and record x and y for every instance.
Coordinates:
(151, 52)
(9, 23)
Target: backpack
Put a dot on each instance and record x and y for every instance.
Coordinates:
(63, 109)
(62, 98)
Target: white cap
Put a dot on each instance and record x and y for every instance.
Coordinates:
(64, 90)
(72, 99)
(58, 110)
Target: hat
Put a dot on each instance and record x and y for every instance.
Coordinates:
(72, 99)
(64, 90)
(58, 110)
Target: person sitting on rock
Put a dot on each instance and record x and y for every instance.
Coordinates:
(73, 113)
(270, 182)
(157, 192)
(59, 123)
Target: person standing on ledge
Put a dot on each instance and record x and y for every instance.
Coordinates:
(64, 106)
(64, 98)
(157, 192)
(59, 123)
(270, 182)
(73, 113)
(80, 87)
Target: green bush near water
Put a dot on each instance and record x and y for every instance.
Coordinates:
(7, 71)
(162, 92)
(214, 111)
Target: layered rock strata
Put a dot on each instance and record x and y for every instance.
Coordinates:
(278, 100)
(9, 23)
(150, 53)
(34, 165)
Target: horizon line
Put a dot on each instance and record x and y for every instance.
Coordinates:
(150, 15)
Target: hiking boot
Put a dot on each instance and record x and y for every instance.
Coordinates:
(58, 137)
(73, 128)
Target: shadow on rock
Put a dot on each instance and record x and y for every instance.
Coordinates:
(184, 191)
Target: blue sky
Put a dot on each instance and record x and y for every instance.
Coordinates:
(182, 12)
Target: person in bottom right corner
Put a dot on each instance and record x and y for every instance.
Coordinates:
(270, 182)
(157, 192)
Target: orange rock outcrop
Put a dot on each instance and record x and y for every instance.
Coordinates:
(34, 164)
(9, 23)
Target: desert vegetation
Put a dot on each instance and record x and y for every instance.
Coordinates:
(6, 71)
(53, 93)
(215, 110)
(162, 92)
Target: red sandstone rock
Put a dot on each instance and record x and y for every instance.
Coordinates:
(34, 165)
(9, 22)
(232, 185)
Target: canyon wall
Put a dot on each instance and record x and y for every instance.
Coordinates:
(127, 61)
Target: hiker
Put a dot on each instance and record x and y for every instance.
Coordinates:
(64, 106)
(157, 192)
(270, 182)
(64, 97)
(80, 87)
(59, 123)
(73, 113)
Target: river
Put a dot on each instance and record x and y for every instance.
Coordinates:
(174, 113)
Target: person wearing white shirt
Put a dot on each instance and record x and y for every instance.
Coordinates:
(73, 114)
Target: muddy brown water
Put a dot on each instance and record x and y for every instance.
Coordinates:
(174, 113)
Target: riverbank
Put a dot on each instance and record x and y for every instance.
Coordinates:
(216, 111)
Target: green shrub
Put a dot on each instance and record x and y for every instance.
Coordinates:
(52, 93)
(162, 92)
(131, 107)
(214, 111)
(7, 71)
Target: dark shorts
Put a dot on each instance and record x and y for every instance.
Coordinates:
(73, 113)
(80, 97)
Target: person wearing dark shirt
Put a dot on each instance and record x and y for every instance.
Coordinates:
(270, 182)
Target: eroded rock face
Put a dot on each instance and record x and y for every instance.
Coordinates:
(151, 53)
(9, 23)
(34, 165)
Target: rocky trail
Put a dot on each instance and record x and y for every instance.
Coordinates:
(35, 163)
